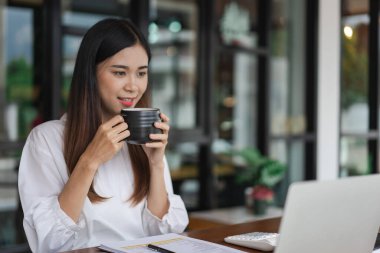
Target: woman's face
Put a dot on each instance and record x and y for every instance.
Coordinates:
(122, 80)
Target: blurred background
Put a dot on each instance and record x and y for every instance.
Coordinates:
(230, 74)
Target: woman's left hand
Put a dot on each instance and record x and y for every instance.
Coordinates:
(156, 150)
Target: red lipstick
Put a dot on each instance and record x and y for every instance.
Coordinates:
(126, 102)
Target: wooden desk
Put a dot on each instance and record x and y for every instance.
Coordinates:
(228, 216)
(217, 234)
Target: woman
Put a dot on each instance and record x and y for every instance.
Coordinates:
(80, 184)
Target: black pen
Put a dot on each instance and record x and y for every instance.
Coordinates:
(159, 249)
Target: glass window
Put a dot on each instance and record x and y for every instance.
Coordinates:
(288, 89)
(183, 164)
(17, 91)
(279, 150)
(84, 14)
(354, 157)
(237, 22)
(235, 98)
(70, 46)
(287, 69)
(11, 228)
(173, 41)
(234, 94)
(292, 154)
(354, 67)
(296, 161)
(18, 113)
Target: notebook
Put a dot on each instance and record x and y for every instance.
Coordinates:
(166, 243)
(331, 216)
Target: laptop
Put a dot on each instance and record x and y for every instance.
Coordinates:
(331, 216)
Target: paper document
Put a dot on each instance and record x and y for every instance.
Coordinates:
(173, 242)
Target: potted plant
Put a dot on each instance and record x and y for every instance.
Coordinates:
(261, 173)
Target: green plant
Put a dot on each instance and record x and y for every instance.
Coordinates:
(257, 169)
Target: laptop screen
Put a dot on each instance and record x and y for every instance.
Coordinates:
(331, 216)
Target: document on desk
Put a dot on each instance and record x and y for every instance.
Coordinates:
(172, 242)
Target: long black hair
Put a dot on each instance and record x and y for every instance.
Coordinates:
(84, 112)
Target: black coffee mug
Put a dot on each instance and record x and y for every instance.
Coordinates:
(141, 123)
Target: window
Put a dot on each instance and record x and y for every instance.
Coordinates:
(77, 17)
(359, 150)
(356, 155)
(18, 113)
(292, 96)
(173, 41)
(264, 85)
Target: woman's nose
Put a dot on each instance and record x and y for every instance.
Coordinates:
(130, 83)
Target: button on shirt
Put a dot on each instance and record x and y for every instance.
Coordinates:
(42, 176)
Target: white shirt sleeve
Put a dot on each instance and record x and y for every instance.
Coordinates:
(47, 227)
(174, 221)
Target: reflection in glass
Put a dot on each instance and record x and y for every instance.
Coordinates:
(70, 46)
(354, 157)
(235, 93)
(293, 156)
(11, 231)
(173, 41)
(287, 69)
(183, 164)
(182, 155)
(18, 113)
(278, 151)
(81, 14)
(17, 91)
(296, 161)
(354, 65)
(237, 22)
(84, 14)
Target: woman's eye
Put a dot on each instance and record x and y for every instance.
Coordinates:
(141, 74)
(119, 73)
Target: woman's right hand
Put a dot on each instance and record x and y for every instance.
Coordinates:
(107, 141)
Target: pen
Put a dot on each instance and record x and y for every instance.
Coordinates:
(159, 249)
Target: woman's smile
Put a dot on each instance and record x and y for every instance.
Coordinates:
(128, 102)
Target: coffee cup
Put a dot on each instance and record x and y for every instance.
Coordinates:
(141, 123)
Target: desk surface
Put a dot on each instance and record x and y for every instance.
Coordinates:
(235, 215)
(217, 235)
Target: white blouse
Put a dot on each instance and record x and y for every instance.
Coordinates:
(42, 176)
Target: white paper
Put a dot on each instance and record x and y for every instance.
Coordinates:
(173, 242)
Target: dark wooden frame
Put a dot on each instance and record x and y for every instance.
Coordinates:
(311, 93)
(373, 83)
